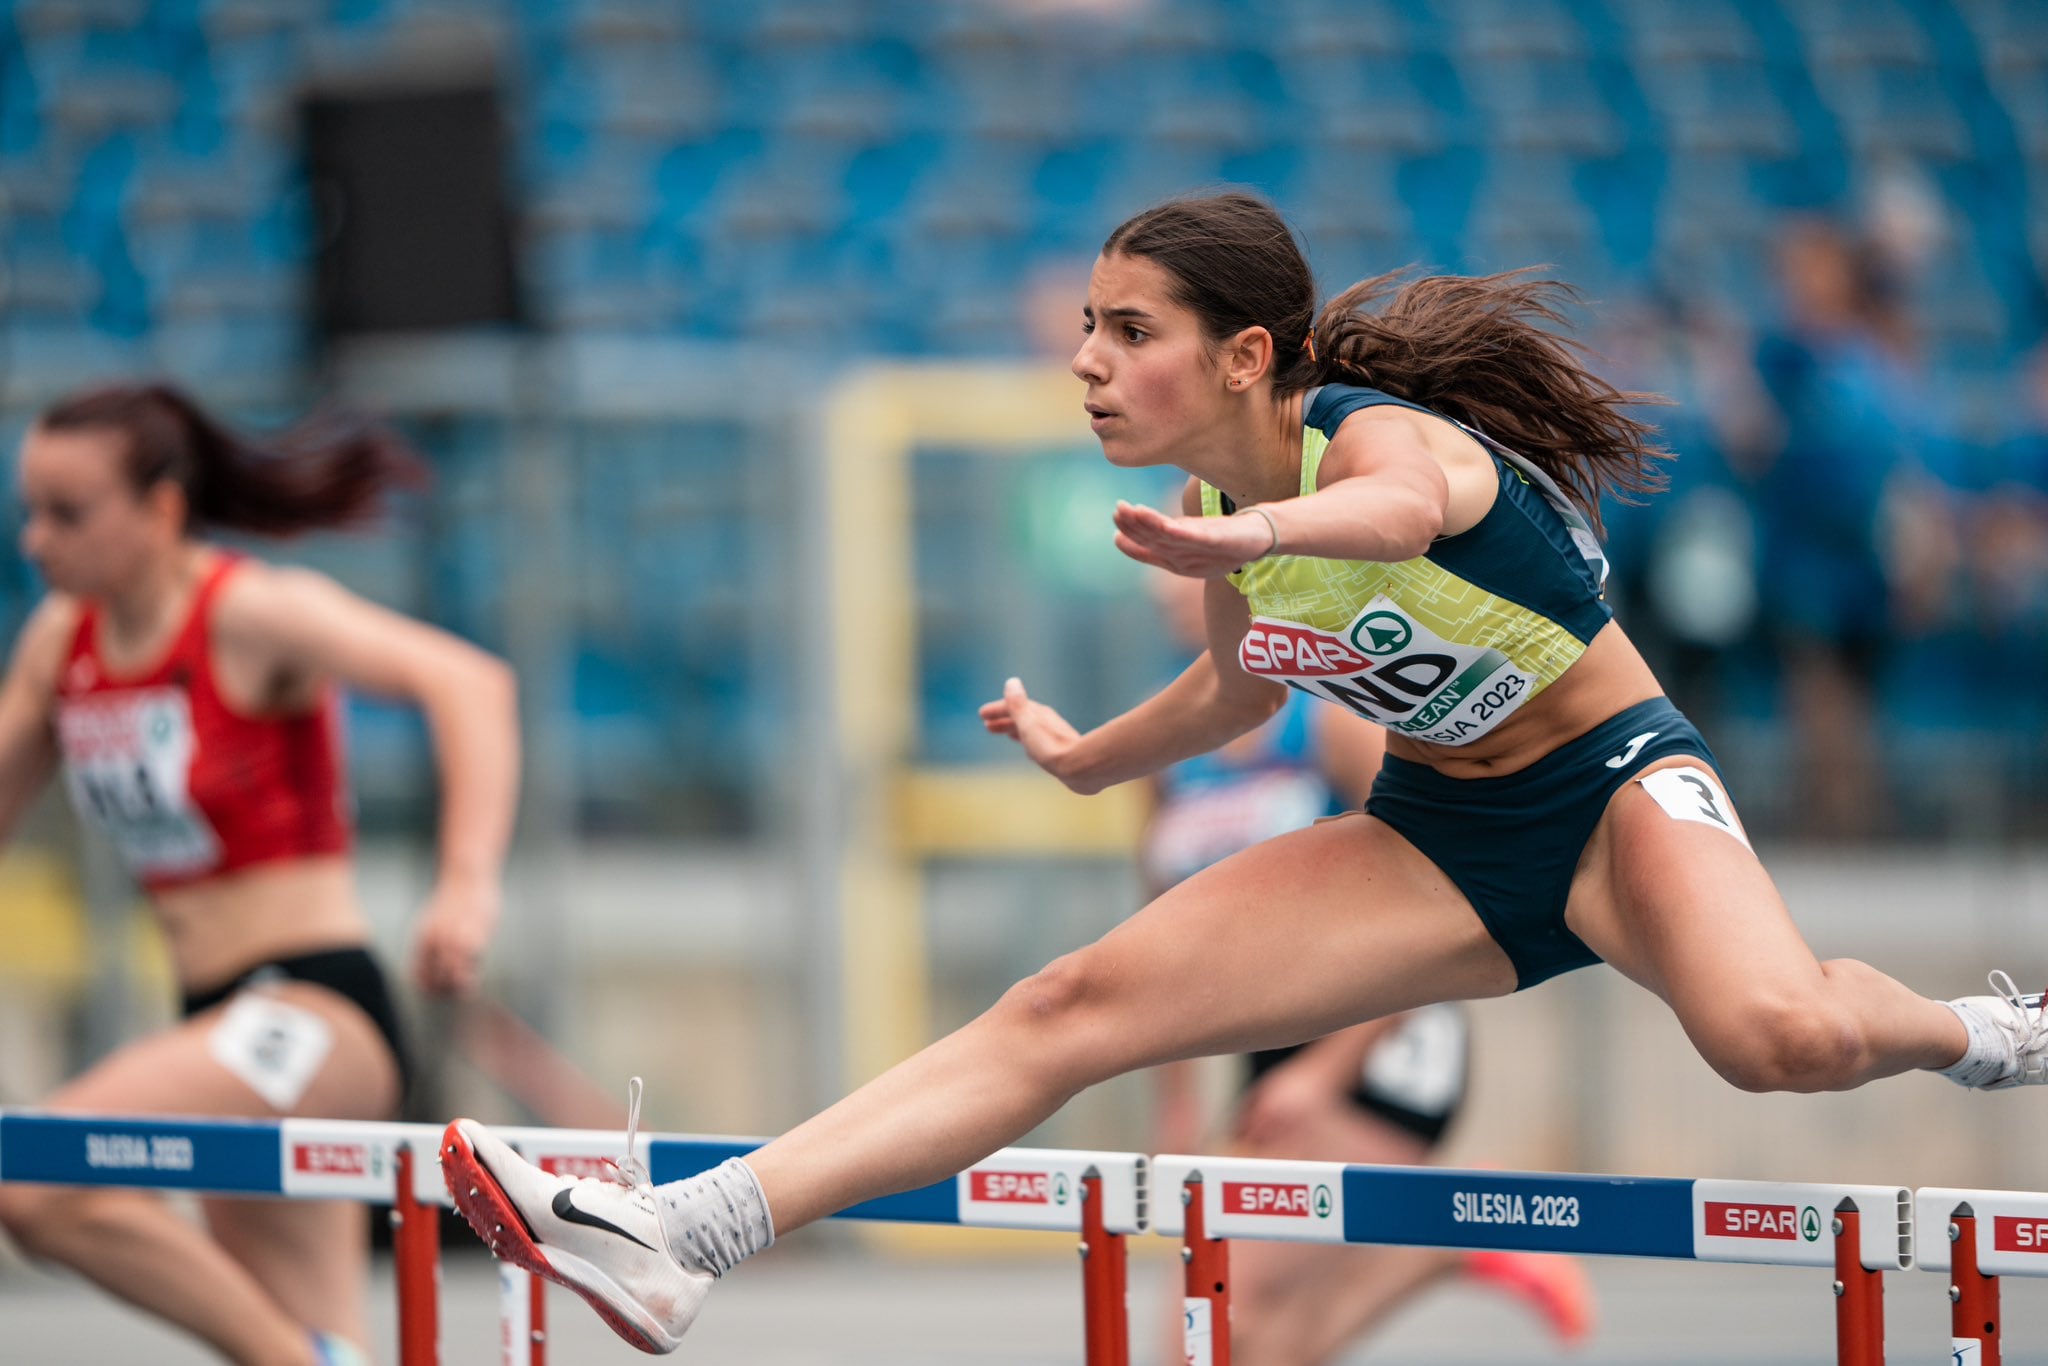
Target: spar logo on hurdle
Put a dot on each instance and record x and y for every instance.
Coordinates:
(1726, 1219)
(337, 1159)
(1020, 1188)
(2020, 1235)
(575, 1164)
(1284, 1200)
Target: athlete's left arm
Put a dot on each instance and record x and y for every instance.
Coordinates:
(310, 627)
(1392, 481)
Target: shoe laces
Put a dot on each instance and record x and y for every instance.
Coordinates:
(2033, 1023)
(629, 1171)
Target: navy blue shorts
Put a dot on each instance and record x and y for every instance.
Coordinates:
(1511, 844)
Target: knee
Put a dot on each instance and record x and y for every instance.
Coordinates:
(1789, 1045)
(1052, 997)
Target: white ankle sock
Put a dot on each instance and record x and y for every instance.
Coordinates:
(1989, 1055)
(716, 1219)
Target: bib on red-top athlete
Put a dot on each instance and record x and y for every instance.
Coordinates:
(189, 694)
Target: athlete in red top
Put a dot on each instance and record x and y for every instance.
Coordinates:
(189, 694)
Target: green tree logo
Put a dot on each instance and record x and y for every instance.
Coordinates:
(1382, 633)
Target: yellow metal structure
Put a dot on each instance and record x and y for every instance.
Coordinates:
(898, 814)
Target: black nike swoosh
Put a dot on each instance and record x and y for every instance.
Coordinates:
(566, 1211)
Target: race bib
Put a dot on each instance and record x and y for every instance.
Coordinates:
(274, 1046)
(128, 765)
(1421, 1065)
(1391, 669)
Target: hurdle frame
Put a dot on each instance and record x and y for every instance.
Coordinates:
(1868, 1230)
(1099, 1196)
(1978, 1236)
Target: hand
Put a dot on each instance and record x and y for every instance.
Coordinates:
(448, 943)
(1197, 547)
(1047, 736)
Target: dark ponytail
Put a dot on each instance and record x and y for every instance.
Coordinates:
(1480, 349)
(330, 470)
(1475, 349)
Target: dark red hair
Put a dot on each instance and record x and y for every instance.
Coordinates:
(330, 470)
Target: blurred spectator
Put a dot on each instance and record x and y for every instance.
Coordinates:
(2005, 550)
(1684, 561)
(1837, 368)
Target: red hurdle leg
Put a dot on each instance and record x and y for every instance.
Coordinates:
(1859, 1295)
(416, 1257)
(1105, 1297)
(1974, 1319)
(537, 1321)
(1206, 1316)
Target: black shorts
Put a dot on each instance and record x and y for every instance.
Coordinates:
(1414, 1078)
(352, 973)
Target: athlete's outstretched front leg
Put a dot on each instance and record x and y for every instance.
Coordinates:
(1287, 941)
(1290, 940)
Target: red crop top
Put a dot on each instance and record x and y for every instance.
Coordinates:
(187, 787)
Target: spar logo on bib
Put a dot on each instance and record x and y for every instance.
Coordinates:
(1287, 650)
(1390, 668)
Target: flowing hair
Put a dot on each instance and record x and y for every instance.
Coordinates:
(330, 470)
(1482, 350)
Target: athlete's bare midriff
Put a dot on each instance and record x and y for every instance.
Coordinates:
(1607, 678)
(222, 927)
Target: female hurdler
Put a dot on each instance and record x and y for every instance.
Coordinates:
(1392, 503)
(189, 694)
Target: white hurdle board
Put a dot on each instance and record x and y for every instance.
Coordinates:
(1772, 1223)
(2012, 1230)
(320, 1159)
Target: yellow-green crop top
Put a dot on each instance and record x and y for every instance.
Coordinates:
(1445, 646)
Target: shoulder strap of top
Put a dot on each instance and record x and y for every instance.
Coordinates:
(225, 563)
(1212, 501)
(1313, 445)
(196, 622)
(85, 632)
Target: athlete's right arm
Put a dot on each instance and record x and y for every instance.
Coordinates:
(1209, 705)
(28, 740)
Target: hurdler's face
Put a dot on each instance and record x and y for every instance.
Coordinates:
(86, 528)
(1153, 383)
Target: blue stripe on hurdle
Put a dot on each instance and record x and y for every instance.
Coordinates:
(1618, 1216)
(938, 1203)
(212, 1155)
